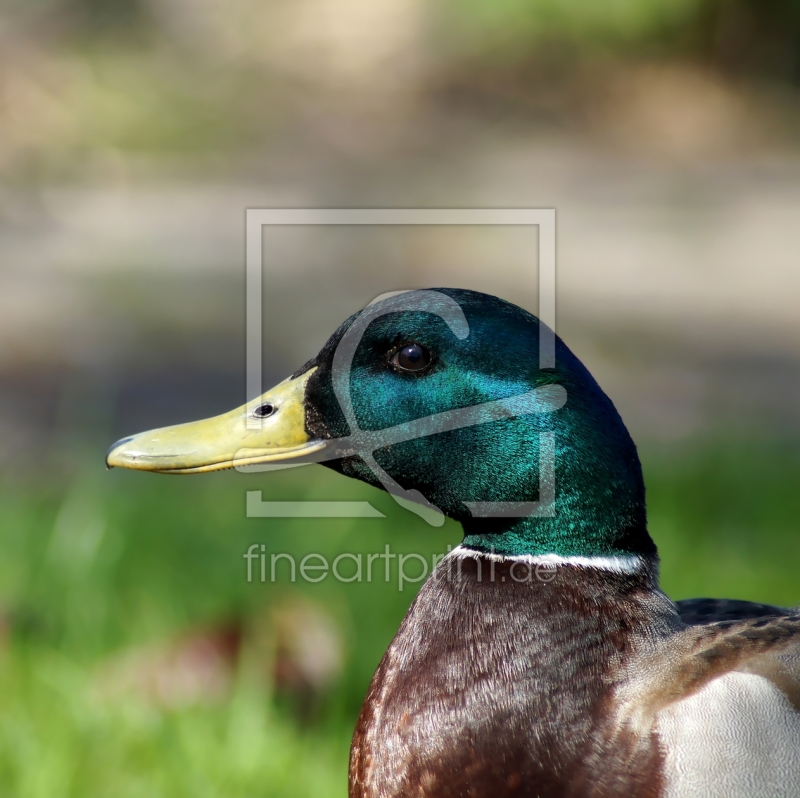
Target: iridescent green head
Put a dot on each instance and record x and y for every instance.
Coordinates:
(379, 399)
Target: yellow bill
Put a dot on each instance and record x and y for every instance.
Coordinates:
(268, 429)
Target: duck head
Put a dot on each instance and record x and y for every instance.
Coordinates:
(437, 396)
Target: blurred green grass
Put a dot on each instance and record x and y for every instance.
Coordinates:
(116, 560)
(726, 518)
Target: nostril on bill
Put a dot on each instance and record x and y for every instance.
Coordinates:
(265, 411)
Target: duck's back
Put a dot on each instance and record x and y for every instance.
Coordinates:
(735, 732)
(505, 681)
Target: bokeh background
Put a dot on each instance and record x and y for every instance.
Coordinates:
(135, 659)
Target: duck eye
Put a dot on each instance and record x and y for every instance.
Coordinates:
(411, 357)
(265, 410)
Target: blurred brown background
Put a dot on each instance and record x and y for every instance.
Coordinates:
(134, 134)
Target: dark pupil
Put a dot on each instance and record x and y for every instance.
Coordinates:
(412, 357)
(262, 411)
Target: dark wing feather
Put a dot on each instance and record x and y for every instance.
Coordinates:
(698, 611)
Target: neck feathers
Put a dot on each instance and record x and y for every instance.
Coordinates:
(545, 564)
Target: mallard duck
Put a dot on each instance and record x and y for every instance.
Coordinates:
(540, 658)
